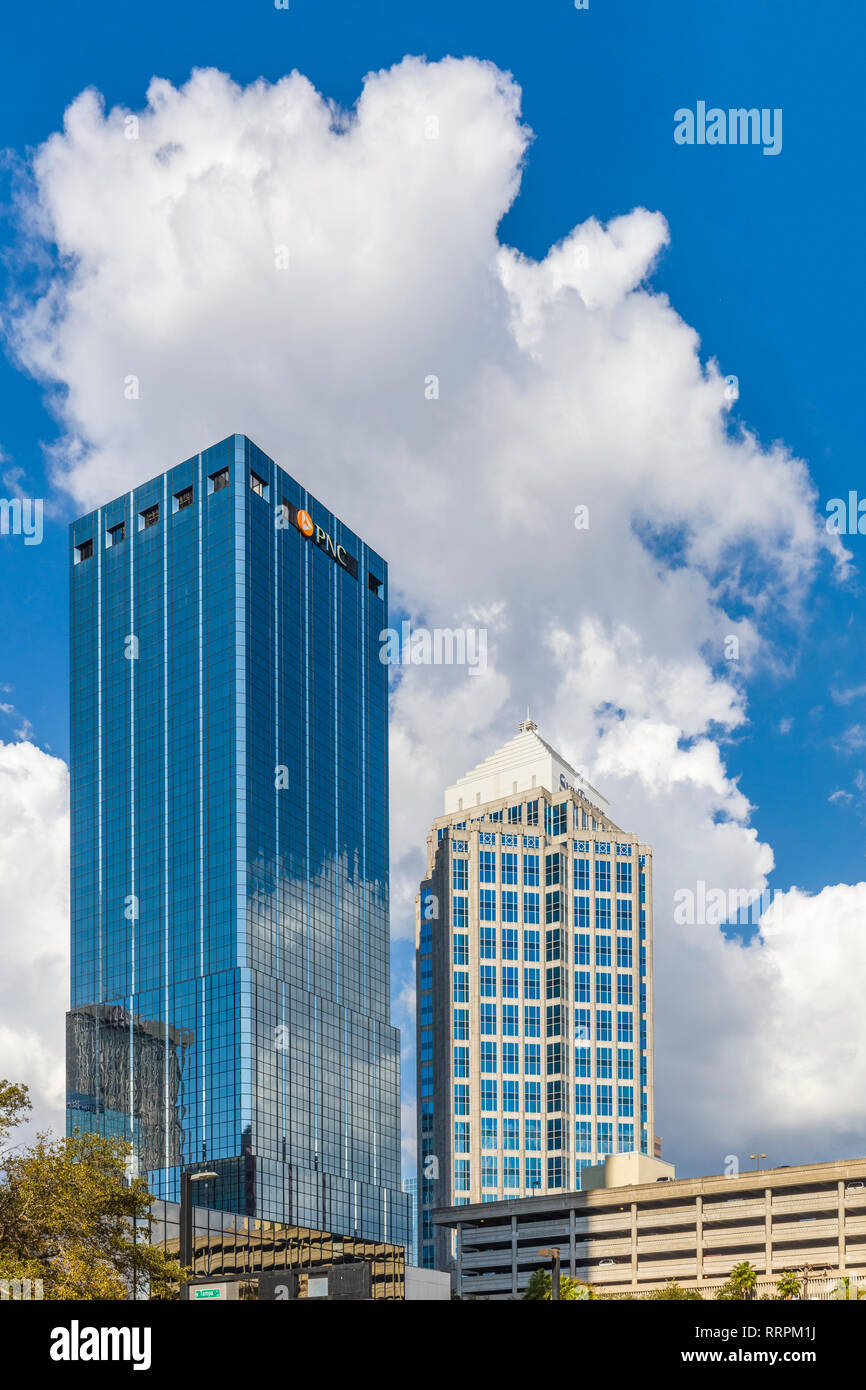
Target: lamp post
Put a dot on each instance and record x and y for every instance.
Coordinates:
(186, 1181)
(553, 1252)
(757, 1158)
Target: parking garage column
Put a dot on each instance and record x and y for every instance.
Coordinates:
(634, 1243)
(514, 1256)
(768, 1232)
(699, 1239)
(841, 1225)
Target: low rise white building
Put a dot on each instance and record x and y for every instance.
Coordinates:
(632, 1237)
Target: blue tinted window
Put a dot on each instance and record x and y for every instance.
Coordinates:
(581, 875)
(488, 904)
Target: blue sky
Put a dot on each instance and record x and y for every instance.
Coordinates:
(764, 262)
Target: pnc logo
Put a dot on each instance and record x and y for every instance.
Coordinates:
(289, 515)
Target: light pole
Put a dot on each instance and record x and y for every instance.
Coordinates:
(186, 1181)
(757, 1158)
(553, 1252)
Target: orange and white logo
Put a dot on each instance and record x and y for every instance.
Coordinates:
(305, 523)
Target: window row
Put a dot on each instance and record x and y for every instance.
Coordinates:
(555, 948)
(504, 1095)
(557, 1164)
(555, 870)
(555, 909)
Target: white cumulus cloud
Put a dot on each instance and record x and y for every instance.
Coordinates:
(262, 261)
(34, 925)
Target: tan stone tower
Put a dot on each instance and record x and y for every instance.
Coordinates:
(534, 973)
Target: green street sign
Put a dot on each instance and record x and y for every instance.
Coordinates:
(225, 1289)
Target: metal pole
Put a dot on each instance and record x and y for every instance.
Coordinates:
(185, 1219)
(553, 1252)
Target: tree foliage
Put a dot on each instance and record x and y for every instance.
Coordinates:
(70, 1217)
(14, 1108)
(845, 1289)
(540, 1288)
(788, 1286)
(741, 1283)
(674, 1291)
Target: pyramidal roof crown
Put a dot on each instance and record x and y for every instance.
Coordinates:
(524, 762)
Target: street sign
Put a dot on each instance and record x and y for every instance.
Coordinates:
(224, 1289)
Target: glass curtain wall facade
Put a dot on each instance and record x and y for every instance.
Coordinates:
(238, 1247)
(534, 1027)
(229, 767)
(410, 1186)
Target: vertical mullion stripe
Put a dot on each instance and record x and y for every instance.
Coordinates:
(99, 768)
(133, 659)
(336, 857)
(165, 826)
(200, 745)
(365, 990)
(307, 721)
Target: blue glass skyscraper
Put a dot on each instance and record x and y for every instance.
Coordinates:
(229, 768)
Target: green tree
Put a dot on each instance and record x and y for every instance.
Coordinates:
(788, 1286)
(741, 1283)
(845, 1289)
(14, 1109)
(744, 1277)
(674, 1291)
(69, 1217)
(540, 1288)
